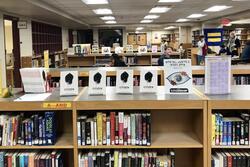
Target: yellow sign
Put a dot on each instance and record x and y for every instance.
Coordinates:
(214, 39)
(1, 79)
(46, 58)
(214, 34)
(57, 105)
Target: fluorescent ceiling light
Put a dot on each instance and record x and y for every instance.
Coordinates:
(217, 8)
(111, 22)
(146, 21)
(139, 28)
(102, 11)
(192, 16)
(182, 20)
(159, 9)
(95, 2)
(108, 18)
(243, 21)
(137, 32)
(151, 17)
(169, 1)
(170, 27)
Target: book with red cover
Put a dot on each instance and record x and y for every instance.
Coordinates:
(121, 126)
(112, 128)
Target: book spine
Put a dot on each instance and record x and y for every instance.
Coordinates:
(233, 133)
(44, 131)
(129, 130)
(40, 119)
(242, 135)
(217, 131)
(112, 128)
(237, 133)
(213, 129)
(82, 132)
(116, 159)
(95, 131)
(104, 129)
(92, 132)
(132, 122)
(79, 133)
(121, 125)
(140, 128)
(50, 135)
(246, 132)
(29, 132)
(221, 129)
(224, 139)
(144, 129)
(36, 127)
(88, 133)
(26, 133)
(125, 130)
(148, 129)
(116, 129)
(99, 128)
(108, 130)
(229, 133)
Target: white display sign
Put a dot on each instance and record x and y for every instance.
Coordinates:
(154, 49)
(97, 82)
(124, 81)
(69, 83)
(34, 80)
(148, 81)
(118, 50)
(95, 49)
(178, 76)
(142, 49)
(106, 50)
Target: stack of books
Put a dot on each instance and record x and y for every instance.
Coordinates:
(115, 129)
(229, 131)
(241, 80)
(31, 130)
(126, 159)
(231, 159)
(31, 158)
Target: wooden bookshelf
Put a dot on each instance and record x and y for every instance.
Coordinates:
(236, 102)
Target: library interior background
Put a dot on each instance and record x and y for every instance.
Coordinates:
(124, 83)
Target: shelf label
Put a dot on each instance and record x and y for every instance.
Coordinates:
(57, 105)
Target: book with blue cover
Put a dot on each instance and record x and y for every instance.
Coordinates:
(50, 129)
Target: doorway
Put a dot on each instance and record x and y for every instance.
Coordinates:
(12, 51)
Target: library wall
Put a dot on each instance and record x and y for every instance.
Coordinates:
(185, 34)
(2, 54)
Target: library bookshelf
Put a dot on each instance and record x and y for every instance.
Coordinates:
(178, 122)
(233, 104)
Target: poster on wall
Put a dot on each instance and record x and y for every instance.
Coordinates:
(97, 82)
(69, 83)
(142, 49)
(213, 36)
(95, 49)
(154, 49)
(178, 76)
(148, 81)
(106, 50)
(124, 81)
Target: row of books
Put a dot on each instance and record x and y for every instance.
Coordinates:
(130, 60)
(230, 159)
(31, 159)
(115, 129)
(31, 130)
(126, 159)
(241, 80)
(199, 81)
(230, 130)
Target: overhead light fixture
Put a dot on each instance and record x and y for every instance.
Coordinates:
(95, 2)
(137, 32)
(159, 9)
(196, 15)
(151, 17)
(243, 21)
(217, 8)
(169, 1)
(139, 28)
(102, 11)
(182, 20)
(170, 27)
(111, 22)
(108, 18)
(146, 21)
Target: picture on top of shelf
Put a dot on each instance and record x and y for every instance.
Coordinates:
(148, 81)
(97, 82)
(106, 50)
(178, 76)
(82, 48)
(154, 49)
(95, 49)
(124, 81)
(34, 80)
(68, 83)
(129, 49)
(118, 50)
(142, 49)
(218, 74)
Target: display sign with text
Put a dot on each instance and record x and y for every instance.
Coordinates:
(97, 82)
(69, 83)
(148, 81)
(124, 81)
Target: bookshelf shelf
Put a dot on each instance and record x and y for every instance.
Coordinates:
(231, 147)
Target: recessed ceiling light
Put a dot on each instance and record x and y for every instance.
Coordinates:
(159, 9)
(196, 15)
(111, 22)
(151, 17)
(95, 2)
(137, 32)
(146, 21)
(108, 18)
(217, 8)
(139, 28)
(102, 11)
(182, 20)
(170, 27)
(169, 1)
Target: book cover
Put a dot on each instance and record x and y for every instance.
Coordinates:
(125, 130)
(116, 129)
(144, 129)
(112, 128)
(82, 131)
(99, 127)
(79, 142)
(50, 130)
(104, 129)
(108, 131)
(148, 129)
(129, 130)
(92, 126)
(88, 132)
(213, 129)
(121, 126)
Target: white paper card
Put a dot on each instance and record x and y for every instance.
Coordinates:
(118, 50)
(124, 81)
(142, 49)
(34, 80)
(178, 76)
(154, 49)
(218, 75)
(106, 50)
(129, 49)
(33, 97)
(148, 81)
(69, 83)
(97, 82)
